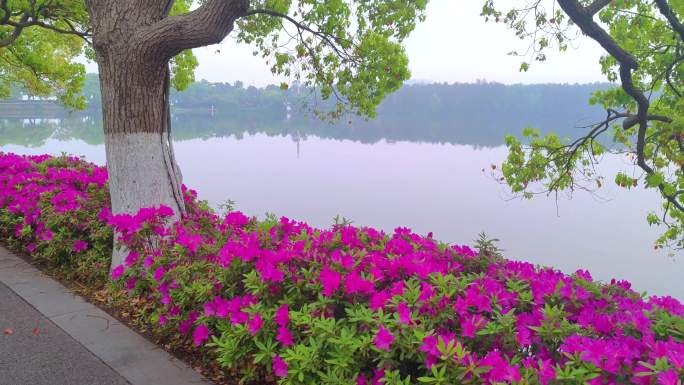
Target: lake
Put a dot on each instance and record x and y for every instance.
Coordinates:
(429, 185)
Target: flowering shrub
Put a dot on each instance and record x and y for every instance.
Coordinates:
(280, 301)
(49, 207)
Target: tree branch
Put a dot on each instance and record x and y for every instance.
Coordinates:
(6, 18)
(585, 21)
(71, 31)
(671, 17)
(596, 6)
(631, 120)
(330, 40)
(642, 120)
(206, 25)
(6, 14)
(627, 64)
(11, 38)
(668, 73)
(31, 18)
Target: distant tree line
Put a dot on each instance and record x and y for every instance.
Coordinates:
(477, 113)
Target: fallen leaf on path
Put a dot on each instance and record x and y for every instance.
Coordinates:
(8, 331)
(36, 332)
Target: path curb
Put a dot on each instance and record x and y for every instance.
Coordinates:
(136, 359)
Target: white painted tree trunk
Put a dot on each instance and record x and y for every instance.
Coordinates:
(133, 42)
(138, 176)
(136, 117)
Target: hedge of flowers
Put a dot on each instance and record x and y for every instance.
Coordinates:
(49, 208)
(278, 301)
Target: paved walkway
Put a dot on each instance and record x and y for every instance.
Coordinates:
(49, 336)
(33, 350)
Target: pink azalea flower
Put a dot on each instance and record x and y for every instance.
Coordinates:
(378, 376)
(668, 377)
(165, 211)
(226, 253)
(236, 219)
(117, 272)
(46, 236)
(130, 283)
(404, 313)
(354, 283)
(200, 335)
(383, 339)
(191, 241)
(471, 324)
(282, 315)
(131, 258)
(159, 273)
(426, 292)
(184, 326)
(330, 279)
(279, 366)
(430, 345)
(676, 357)
(284, 336)
(546, 372)
(499, 369)
(583, 274)
(105, 214)
(166, 299)
(397, 289)
(79, 246)
(148, 262)
(255, 324)
(378, 300)
(239, 317)
(523, 332)
(269, 271)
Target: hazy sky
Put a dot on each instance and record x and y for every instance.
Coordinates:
(453, 45)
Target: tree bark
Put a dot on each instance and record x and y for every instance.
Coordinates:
(133, 42)
(140, 163)
(133, 84)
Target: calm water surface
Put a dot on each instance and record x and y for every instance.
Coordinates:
(438, 187)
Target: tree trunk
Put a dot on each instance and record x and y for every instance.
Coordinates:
(141, 166)
(133, 42)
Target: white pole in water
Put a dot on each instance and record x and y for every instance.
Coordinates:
(212, 110)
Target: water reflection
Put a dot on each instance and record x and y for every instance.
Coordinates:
(429, 180)
(34, 132)
(484, 126)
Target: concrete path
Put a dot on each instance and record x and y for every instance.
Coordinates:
(33, 350)
(49, 336)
